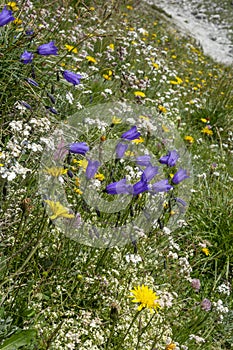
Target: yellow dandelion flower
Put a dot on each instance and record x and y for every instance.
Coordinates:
(206, 251)
(174, 57)
(99, 177)
(188, 138)
(116, 120)
(56, 171)
(170, 346)
(139, 140)
(13, 5)
(146, 297)
(162, 109)
(207, 131)
(111, 47)
(155, 65)
(58, 210)
(129, 7)
(71, 48)
(139, 94)
(91, 59)
(91, 8)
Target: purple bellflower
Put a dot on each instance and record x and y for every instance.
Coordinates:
(140, 187)
(131, 134)
(170, 159)
(179, 176)
(71, 77)
(162, 186)
(149, 173)
(119, 187)
(6, 17)
(143, 160)
(47, 49)
(26, 57)
(92, 168)
(120, 149)
(78, 148)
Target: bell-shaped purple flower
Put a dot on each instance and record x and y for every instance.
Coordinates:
(26, 57)
(120, 149)
(6, 17)
(78, 148)
(71, 77)
(161, 186)
(92, 168)
(47, 49)
(179, 176)
(149, 173)
(131, 134)
(170, 159)
(143, 160)
(140, 187)
(119, 187)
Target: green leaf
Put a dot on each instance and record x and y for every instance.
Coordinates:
(19, 339)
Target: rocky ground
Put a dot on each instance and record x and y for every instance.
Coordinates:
(209, 22)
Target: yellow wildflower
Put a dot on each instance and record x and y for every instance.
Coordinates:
(83, 163)
(71, 48)
(165, 128)
(174, 57)
(155, 65)
(129, 7)
(56, 171)
(190, 139)
(204, 120)
(139, 140)
(206, 251)
(91, 8)
(139, 94)
(13, 5)
(58, 210)
(99, 177)
(111, 47)
(91, 59)
(162, 109)
(78, 191)
(1, 164)
(129, 154)
(116, 120)
(177, 81)
(108, 75)
(18, 21)
(146, 297)
(207, 131)
(170, 346)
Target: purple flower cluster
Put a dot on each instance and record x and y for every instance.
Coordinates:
(170, 159)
